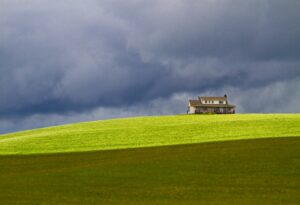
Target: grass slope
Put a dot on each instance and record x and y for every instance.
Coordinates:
(260, 171)
(149, 131)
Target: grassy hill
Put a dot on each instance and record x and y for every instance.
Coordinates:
(149, 131)
(250, 159)
(260, 171)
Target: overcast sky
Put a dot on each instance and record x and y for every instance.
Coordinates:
(75, 60)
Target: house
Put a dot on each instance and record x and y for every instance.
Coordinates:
(217, 105)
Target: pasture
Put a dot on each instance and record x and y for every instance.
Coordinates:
(183, 159)
(259, 171)
(149, 132)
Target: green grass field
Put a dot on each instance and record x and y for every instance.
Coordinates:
(184, 159)
(261, 171)
(149, 131)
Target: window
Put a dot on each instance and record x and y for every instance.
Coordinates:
(220, 102)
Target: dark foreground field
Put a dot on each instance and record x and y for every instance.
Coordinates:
(261, 171)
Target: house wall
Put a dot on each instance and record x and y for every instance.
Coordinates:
(191, 110)
(201, 110)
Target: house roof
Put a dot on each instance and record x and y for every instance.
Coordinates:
(198, 103)
(195, 103)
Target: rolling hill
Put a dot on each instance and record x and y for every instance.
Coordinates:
(149, 131)
(183, 159)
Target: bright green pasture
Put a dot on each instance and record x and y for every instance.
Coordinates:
(149, 131)
(247, 172)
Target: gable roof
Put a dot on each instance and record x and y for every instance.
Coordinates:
(198, 103)
(195, 103)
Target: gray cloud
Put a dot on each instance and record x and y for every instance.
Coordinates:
(70, 59)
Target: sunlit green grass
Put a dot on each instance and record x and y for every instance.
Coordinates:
(149, 131)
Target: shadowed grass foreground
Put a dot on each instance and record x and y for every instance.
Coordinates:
(149, 131)
(261, 171)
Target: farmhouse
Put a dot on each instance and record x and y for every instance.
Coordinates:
(217, 105)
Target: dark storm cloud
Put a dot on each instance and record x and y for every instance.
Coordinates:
(75, 57)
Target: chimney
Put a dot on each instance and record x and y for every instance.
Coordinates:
(225, 96)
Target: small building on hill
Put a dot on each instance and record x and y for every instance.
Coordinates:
(205, 105)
